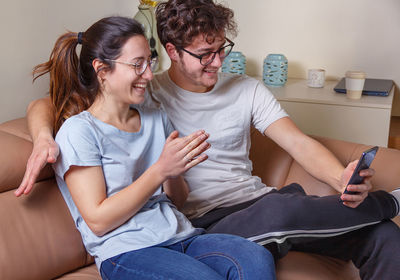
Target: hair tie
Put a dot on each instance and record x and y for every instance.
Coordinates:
(80, 34)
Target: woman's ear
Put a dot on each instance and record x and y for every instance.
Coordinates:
(98, 65)
(101, 69)
(172, 51)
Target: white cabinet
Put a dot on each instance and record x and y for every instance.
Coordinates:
(323, 112)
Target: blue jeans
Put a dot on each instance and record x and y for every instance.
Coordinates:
(205, 257)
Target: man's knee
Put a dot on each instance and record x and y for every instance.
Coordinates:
(385, 233)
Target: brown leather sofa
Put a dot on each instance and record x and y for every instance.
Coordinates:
(38, 239)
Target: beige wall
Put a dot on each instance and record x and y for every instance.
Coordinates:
(311, 33)
(28, 32)
(336, 35)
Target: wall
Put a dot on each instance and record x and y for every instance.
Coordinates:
(337, 35)
(311, 33)
(29, 30)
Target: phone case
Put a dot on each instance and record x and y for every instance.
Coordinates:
(364, 163)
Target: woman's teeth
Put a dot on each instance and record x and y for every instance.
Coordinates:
(139, 85)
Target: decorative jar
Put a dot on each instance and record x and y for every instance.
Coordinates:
(275, 70)
(235, 62)
(146, 17)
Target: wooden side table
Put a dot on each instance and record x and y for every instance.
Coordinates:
(323, 112)
(394, 133)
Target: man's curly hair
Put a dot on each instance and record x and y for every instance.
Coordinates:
(179, 21)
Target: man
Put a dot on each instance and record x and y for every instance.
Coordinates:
(224, 196)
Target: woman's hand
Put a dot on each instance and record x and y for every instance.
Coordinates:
(181, 154)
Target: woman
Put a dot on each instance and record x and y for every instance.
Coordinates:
(120, 176)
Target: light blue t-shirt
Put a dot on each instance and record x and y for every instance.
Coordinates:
(124, 156)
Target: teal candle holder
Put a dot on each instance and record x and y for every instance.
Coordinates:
(275, 70)
(235, 62)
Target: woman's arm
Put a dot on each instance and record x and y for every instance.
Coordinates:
(103, 214)
(40, 117)
(177, 190)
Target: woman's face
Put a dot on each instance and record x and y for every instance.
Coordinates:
(123, 83)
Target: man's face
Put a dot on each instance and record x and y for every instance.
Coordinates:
(189, 73)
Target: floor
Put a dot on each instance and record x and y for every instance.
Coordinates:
(394, 133)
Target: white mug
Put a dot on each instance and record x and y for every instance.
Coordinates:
(316, 78)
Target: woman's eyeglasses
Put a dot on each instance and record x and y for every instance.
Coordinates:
(140, 65)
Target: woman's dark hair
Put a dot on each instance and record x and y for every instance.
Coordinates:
(73, 82)
(179, 21)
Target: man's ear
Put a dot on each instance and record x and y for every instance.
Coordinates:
(172, 51)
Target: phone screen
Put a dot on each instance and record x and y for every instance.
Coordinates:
(364, 163)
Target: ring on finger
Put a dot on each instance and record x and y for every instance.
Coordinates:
(188, 160)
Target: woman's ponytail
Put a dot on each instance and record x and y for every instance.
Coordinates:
(65, 88)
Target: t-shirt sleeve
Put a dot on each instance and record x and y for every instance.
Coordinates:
(78, 146)
(265, 108)
(168, 127)
(150, 100)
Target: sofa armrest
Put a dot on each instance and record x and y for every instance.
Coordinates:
(277, 168)
(386, 163)
(16, 147)
(17, 127)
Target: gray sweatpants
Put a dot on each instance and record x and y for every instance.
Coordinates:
(288, 219)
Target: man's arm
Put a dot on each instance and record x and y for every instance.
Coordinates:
(318, 160)
(40, 117)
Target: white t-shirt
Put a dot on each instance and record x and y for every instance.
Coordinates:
(226, 112)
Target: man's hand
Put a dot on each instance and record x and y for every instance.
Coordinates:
(45, 150)
(353, 200)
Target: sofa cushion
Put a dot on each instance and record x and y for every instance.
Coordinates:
(38, 238)
(86, 273)
(302, 266)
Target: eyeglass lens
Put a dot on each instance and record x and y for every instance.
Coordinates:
(140, 67)
(209, 57)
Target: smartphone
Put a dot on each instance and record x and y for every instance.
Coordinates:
(364, 163)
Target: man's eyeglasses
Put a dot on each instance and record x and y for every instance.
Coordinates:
(140, 65)
(209, 57)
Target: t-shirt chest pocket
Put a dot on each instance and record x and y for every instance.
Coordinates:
(228, 130)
